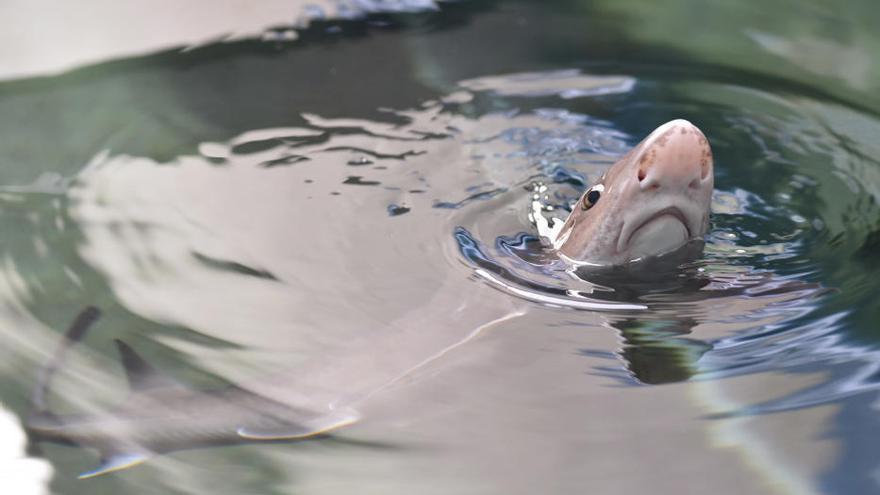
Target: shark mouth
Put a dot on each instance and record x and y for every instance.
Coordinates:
(662, 231)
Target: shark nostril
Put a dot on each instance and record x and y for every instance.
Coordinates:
(647, 183)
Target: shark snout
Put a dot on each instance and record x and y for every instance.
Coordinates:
(676, 158)
(653, 200)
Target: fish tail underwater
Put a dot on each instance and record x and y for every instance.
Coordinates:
(121, 439)
(501, 246)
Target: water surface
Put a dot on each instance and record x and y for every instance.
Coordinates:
(339, 211)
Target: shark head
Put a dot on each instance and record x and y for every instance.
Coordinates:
(652, 201)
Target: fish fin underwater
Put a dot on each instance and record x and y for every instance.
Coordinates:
(74, 334)
(307, 429)
(163, 415)
(116, 462)
(142, 376)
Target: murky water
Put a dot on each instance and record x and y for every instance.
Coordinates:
(338, 213)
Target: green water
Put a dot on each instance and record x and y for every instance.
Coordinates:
(317, 210)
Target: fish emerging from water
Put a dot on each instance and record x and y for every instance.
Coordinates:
(163, 415)
(652, 201)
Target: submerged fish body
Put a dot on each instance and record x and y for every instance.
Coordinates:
(652, 201)
(162, 415)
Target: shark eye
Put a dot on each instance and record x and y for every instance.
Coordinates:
(592, 196)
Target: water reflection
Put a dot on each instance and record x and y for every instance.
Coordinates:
(160, 26)
(659, 351)
(19, 473)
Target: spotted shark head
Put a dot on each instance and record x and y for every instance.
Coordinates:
(652, 201)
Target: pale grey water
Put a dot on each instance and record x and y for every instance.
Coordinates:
(338, 214)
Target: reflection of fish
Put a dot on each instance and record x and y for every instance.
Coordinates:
(653, 200)
(163, 415)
